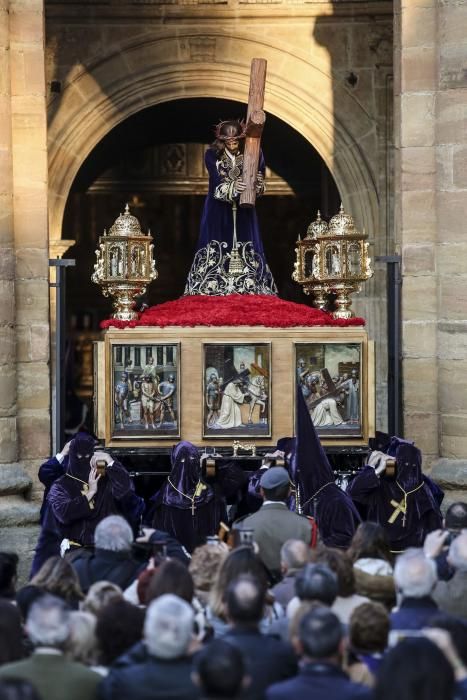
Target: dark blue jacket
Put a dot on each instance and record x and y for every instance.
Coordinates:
(318, 681)
(139, 676)
(267, 660)
(461, 690)
(104, 565)
(413, 613)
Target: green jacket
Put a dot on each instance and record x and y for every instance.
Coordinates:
(274, 524)
(54, 677)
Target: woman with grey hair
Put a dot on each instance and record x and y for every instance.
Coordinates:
(81, 644)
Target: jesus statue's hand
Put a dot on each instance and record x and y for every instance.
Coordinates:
(259, 182)
(240, 186)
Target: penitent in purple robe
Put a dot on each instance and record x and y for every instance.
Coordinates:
(381, 494)
(48, 544)
(319, 496)
(186, 507)
(207, 274)
(68, 510)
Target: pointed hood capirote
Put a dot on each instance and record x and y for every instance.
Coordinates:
(408, 460)
(79, 456)
(310, 467)
(186, 507)
(380, 441)
(185, 478)
(318, 494)
(409, 466)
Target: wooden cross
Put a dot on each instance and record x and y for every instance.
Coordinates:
(255, 119)
(331, 389)
(399, 508)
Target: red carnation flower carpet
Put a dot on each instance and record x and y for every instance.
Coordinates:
(233, 310)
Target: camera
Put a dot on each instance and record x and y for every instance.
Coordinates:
(101, 465)
(391, 468)
(243, 537)
(208, 461)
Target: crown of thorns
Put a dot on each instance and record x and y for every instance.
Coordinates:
(239, 123)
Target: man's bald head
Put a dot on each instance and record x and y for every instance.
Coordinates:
(456, 516)
(245, 601)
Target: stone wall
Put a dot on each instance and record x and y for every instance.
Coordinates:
(24, 308)
(431, 133)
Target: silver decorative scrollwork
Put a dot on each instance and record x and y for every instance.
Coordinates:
(209, 274)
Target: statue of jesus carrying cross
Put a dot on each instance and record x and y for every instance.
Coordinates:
(230, 256)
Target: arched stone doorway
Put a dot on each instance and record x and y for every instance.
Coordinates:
(143, 74)
(155, 161)
(301, 91)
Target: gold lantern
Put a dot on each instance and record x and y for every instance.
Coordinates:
(125, 264)
(333, 259)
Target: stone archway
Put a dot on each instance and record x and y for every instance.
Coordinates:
(144, 74)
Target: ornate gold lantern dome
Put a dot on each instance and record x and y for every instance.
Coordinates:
(126, 225)
(125, 264)
(342, 224)
(317, 228)
(332, 261)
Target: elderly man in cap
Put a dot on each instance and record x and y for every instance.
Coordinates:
(273, 524)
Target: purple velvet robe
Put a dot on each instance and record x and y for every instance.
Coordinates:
(211, 261)
(319, 496)
(336, 516)
(217, 221)
(190, 522)
(423, 506)
(68, 511)
(48, 543)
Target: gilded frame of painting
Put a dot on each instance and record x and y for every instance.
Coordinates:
(154, 403)
(239, 369)
(337, 381)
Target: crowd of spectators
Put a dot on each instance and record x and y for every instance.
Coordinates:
(344, 624)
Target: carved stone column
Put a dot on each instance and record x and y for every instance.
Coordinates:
(24, 304)
(431, 104)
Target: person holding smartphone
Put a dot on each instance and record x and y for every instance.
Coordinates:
(82, 497)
